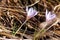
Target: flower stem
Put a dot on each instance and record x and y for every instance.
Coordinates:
(43, 30)
(52, 25)
(20, 27)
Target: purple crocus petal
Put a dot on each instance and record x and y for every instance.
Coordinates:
(46, 12)
(49, 14)
(26, 8)
(31, 12)
(35, 12)
(53, 16)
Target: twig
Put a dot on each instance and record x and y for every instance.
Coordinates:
(33, 3)
(56, 7)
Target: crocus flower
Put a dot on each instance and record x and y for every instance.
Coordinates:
(31, 12)
(49, 16)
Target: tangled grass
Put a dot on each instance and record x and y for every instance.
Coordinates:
(13, 14)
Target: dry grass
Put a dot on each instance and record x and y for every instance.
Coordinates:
(13, 14)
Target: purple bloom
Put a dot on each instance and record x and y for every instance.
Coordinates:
(49, 16)
(31, 12)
